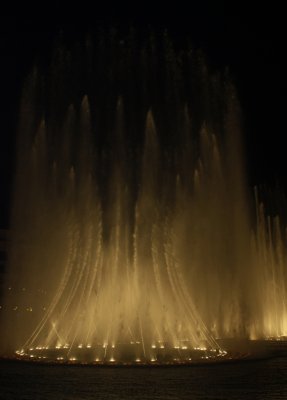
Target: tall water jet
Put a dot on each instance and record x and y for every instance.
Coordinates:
(131, 236)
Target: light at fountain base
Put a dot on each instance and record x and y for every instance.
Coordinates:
(122, 354)
(131, 354)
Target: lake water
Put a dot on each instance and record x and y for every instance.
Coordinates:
(264, 379)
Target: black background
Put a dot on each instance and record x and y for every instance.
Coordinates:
(249, 39)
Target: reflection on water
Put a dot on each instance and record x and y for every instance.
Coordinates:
(265, 379)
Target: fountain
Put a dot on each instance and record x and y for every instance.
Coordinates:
(131, 233)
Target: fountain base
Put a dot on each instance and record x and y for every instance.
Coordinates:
(122, 354)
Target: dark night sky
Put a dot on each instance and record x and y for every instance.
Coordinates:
(249, 41)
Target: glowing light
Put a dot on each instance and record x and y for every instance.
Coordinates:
(200, 348)
(121, 246)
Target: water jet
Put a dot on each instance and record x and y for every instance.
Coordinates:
(131, 233)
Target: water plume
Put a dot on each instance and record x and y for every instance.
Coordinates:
(130, 222)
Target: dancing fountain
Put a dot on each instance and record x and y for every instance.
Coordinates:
(131, 233)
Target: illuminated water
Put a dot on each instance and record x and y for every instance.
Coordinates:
(131, 224)
(254, 380)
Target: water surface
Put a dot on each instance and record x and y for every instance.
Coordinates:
(264, 379)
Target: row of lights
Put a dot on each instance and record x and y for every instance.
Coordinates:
(23, 289)
(112, 359)
(17, 308)
(105, 345)
(98, 360)
(72, 359)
